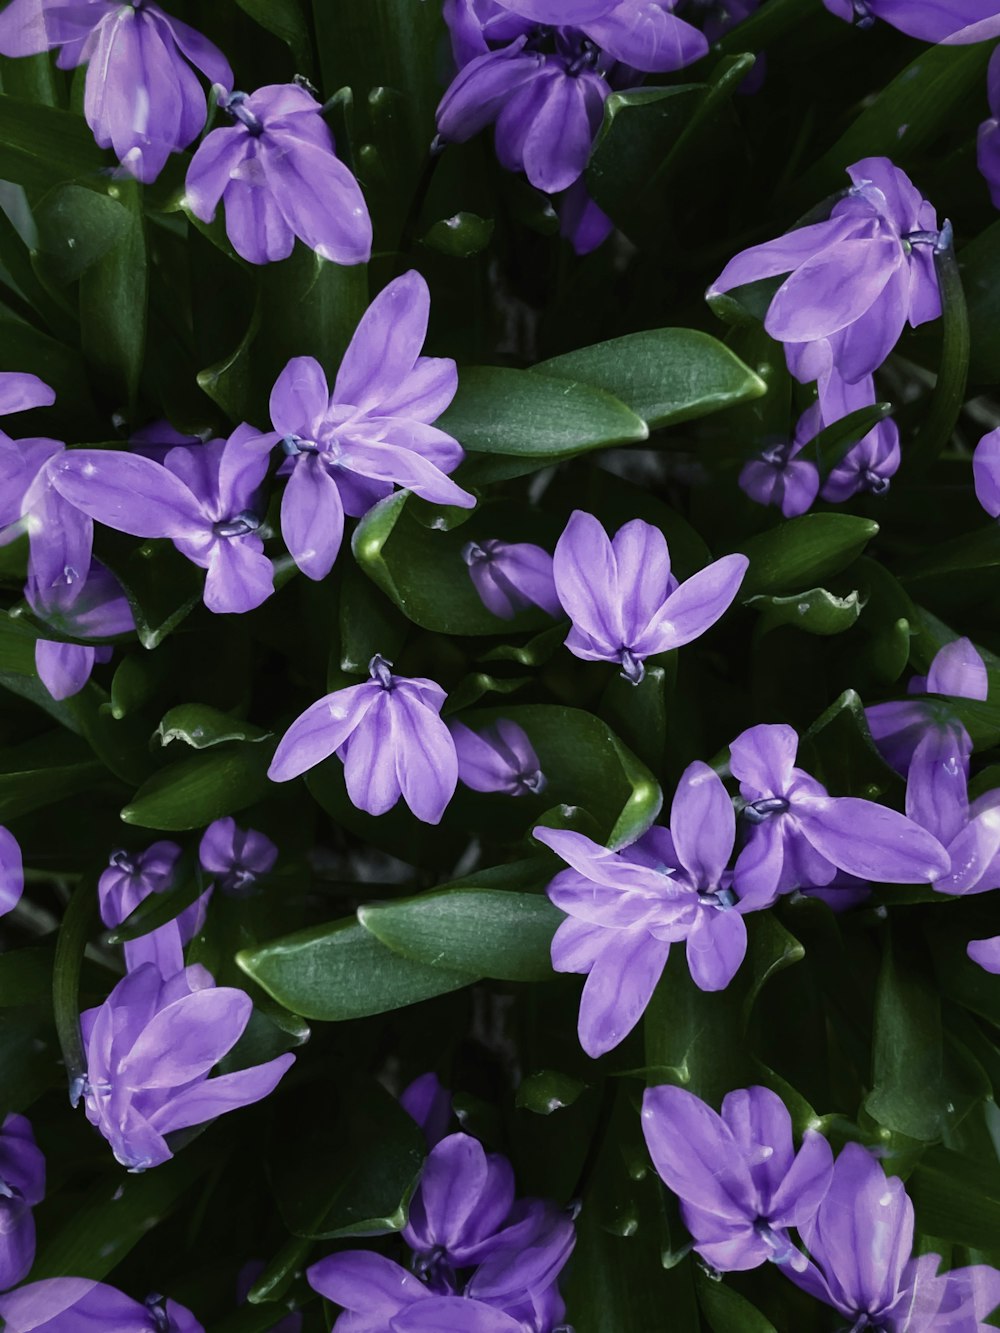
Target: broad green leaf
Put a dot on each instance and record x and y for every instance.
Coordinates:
(664, 375)
(816, 611)
(76, 228)
(460, 236)
(42, 146)
(280, 1272)
(40, 772)
(137, 680)
(191, 792)
(535, 419)
(801, 550)
(201, 727)
(839, 750)
(726, 1310)
(906, 1093)
(354, 1176)
(423, 573)
(485, 931)
(17, 648)
(547, 1091)
(287, 20)
(957, 1198)
(835, 441)
(474, 687)
(640, 128)
(113, 302)
(117, 1211)
(161, 586)
(340, 971)
(905, 117)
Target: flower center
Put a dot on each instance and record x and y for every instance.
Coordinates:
(158, 1313)
(474, 554)
(122, 861)
(864, 18)
(876, 485)
(379, 668)
(235, 104)
(531, 783)
(633, 669)
(244, 523)
(721, 899)
(758, 811)
(777, 455)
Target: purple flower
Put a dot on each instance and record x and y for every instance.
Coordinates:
(96, 608)
(739, 1179)
(462, 1202)
(499, 758)
(926, 732)
(277, 173)
(510, 576)
(868, 465)
(389, 734)
(780, 476)
(800, 835)
(624, 602)
(19, 391)
(348, 449)
(860, 1241)
(11, 872)
(429, 1104)
(150, 1047)
(129, 879)
(986, 472)
(542, 72)
(203, 498)
(937, 799)
(581, 221)
(142, 97)
(855, 280)
(76, 1304)
(624, 909)
(986, 953)
(237, 856)
(378, 1295)
(988, 143)
(952, 22)
(22, 1185)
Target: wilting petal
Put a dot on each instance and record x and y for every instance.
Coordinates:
(619, 987)
(321, 729)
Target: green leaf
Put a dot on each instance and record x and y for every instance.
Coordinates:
(115, 1214)
(801, 550)
(488, 932)
(159, 908)
(162, 587)
(816, 611)
(460, 236)
(536, 419)
(980, 270)
(957, 1198)
(42, 146)
(286, 19)
(340, 971)
(639, 130)
(17, 648)
(280, 1272)
(948, 398)
(833, 443)
(664, 375)
(353, 1177)
(548, 1091)
(201, 727)
(839, 750)
(905, 117)
(70, 945)
(421, 570)
(192, 792)
(76, 228)
(726, 1310)
(906, 1093)
(113, 302)
(40, 772)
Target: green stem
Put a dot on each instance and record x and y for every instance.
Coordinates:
(949, 392)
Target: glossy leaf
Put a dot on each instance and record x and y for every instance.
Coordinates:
(800, 550)
(191, 792)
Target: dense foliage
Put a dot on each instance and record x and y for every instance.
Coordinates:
(346, 699)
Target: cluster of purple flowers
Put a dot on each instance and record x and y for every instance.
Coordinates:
(480, 1258)
(743, 1188)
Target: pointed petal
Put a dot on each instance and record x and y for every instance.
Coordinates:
(403, 467)
(19, 391)
(215, 1096)
(300, 397)
(127, 492)
(762, 759)
(695, 606)
(716, 948)
(643, 564)
(386, 344)
(702, 824)
(781, 255)
(871, 841)
(312, 517)
(958, 669)
(319, 199)
(619, 987)
(321, 729)
(240, 577)
(586, 579)
(362, 1281)
(695, 1153)
(183, 1041)
(833, 289)
(426, 760)
(645, 35)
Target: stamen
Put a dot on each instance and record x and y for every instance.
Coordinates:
(235, 104)
(633, 669)
(757, 811)
(245, 522)
(379, 668)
